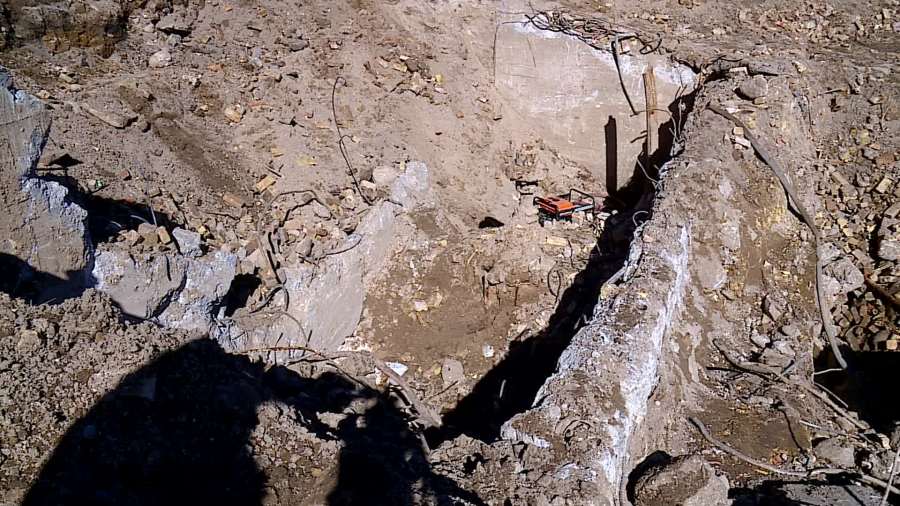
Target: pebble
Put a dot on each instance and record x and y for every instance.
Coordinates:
(754, 88)
(111, 118)
(29, 340)
(836, 452)
(188, 242)
(160, 59)
(163, 235)
(452, 372)
(234, 113)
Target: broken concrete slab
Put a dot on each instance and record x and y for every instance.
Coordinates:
(208, 280)
(56, 245)
(141, 287)
(568, 91)
(328, 299)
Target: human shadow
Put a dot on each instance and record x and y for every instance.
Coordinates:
(178, 431)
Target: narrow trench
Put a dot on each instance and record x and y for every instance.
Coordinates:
(511, 386)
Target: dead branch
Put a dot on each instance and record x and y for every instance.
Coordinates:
(427, 415)
(824, 309)
(825, 471)
(893, 473)
(341, 137)
(770, 372)
(882, 292)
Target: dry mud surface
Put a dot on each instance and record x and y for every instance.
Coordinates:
(287, 253)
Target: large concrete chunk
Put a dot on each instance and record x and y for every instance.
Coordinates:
(570, 93)
(141, 287)
(208, 280)
(41, 230)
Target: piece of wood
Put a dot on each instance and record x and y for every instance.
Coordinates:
(650, 101)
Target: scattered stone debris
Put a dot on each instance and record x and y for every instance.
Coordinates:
(245, 232)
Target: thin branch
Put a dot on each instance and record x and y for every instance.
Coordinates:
(341, 138)
(426, 414)
(893, 473)
(825, 471)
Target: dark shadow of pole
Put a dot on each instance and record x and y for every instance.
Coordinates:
(612, 156)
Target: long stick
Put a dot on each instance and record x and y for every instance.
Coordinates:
(865, 478)
(893, 473)
(650, 104)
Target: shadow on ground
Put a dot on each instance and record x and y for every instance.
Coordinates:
(838, 491)
(177, 431)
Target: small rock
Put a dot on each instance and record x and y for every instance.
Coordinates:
(265, 183)
(487, 351)
(29, 340)
(385, 175)
(420, 306)
(111, 118)
(234, 113)
(760, 340)
(297, 44)
(790, 330)
(685, 480)
(772, 308)
(836, 452)
(773, 358)
(884, 185)
(397, 367)
(160, 59)
(888, 249)
(452, 372)
(163, 235)
(132, 237)
(148, 233)
(368, 186)
(754, 88)
(188, 242)
(557, 241)
(232, 200)
(175, 24)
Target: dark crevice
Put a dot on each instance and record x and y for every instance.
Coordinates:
(529, 362)
(242, 288)
(490, 222)
(864, 385)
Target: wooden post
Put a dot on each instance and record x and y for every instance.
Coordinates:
(649, 110)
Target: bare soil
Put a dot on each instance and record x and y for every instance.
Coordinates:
(97, 406)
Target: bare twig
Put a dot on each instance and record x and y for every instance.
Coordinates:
(893, 473)
(770, 372)
(882, 292)
(740, 455)
(821, 299)
(650, 101)
(615, 52)
(341, 138)
(825, 471)
(426, 414)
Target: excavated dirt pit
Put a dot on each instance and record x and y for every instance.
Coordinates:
(281, 254)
